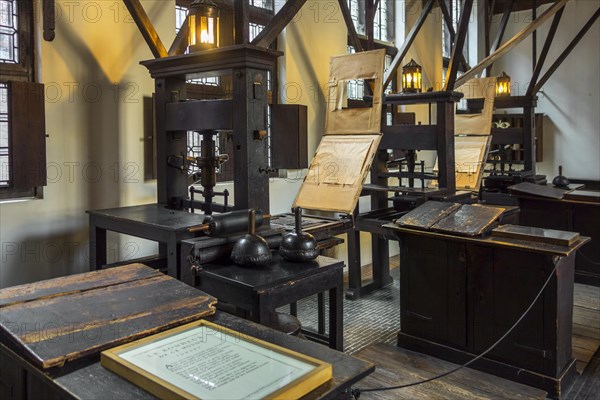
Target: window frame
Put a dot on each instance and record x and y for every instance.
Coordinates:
(23, 71)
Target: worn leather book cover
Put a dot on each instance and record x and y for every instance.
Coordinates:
(427, 214)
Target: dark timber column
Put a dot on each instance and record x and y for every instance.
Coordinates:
(529, 138)
(445, 145)
(171, 147)
(380, 248)
(251, 178)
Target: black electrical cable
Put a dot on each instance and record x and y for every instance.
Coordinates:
(357, 391)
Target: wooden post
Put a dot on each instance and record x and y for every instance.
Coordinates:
(280, 21)
(49, 20)
(566, 52)
(514, 41)
(354, 39)
(242, 26)
(544, 53)
(181, 40)
(459, 43)
(407, 43)
(146, 28)
(500, 32)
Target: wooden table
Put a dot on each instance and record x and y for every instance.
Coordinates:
(458, 295)
(136, 297)
(258, 291)
(151, 221)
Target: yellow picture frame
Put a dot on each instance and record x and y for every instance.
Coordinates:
(129, 361)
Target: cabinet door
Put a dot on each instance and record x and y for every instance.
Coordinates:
(432, 298)
(517, 278)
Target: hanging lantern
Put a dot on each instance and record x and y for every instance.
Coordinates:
(503, 85)
(203, 20)
(411, 77)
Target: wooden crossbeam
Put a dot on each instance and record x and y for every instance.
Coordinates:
(566, 52)
(459, 43)
(181, 40)
(354, 39)
(407, 43)
(145, 26)
(544, 54)
(278, 23)
(514, 41)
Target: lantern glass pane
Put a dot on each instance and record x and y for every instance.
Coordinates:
(192, 34)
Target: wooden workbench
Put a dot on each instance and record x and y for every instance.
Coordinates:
(51, 333)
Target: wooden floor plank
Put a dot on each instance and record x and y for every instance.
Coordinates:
(585, 342)
(586, 316)
(587, 296)
(397, 366)
(586, 331)
(587, 385)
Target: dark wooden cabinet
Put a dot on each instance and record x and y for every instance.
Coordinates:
(459, 295)
(568, 215)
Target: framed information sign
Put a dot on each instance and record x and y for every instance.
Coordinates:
(202, 360)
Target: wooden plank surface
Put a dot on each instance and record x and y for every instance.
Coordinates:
(586, 324)
(72, 318)
(586, 317)
(75, 283)
(552, 236)
(587, 296)
(396, 366)
(427, 214)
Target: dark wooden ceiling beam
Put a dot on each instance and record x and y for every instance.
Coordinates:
(500, 32)
(510, 44)
(459, 44)
(544, 53)
(352, 34)
(278, 23)
(145, 26)
(181, 40)
(566, 52)
(407, 43)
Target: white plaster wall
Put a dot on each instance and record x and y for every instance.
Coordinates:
(94, 90)
(571, 97)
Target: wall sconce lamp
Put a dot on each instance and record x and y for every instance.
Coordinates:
(203, 19)
(411, 77)
(503, 85)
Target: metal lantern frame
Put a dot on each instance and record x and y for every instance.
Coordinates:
(203, 20)
(412, 74)
(503, 85)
